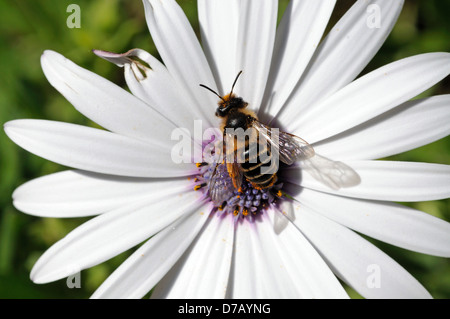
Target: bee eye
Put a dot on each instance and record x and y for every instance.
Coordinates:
(241, 104)
(220, 112)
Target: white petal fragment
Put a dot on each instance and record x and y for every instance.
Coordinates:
(408, 126)
(106, 103)
(80, 193)
(183, 56)
(389, 222)
(150, 80)
(107, 235)
(343, 54)
(145, 267)
(297, 37)
(94, 150)
(372, 273)
(204, 269)
(386, 180)
(373, 94)
(219, 21)
(256, 37)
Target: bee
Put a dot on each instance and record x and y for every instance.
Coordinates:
(256, 156)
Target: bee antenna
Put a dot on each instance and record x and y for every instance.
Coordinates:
(204, 86)
(235, 80)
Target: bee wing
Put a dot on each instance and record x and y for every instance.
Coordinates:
(290, 148)
(233, 167)
(219, 188)
(219, 192)
(333, 174)
(216, 188)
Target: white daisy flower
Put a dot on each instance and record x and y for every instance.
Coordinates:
(297, 248)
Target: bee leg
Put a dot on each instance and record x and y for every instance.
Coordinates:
(222, 206)
(197, 187)
(201, 164)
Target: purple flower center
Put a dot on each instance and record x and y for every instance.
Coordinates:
(245, 202)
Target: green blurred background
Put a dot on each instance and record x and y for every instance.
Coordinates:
(28, 27)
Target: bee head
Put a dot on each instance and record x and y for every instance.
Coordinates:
(228, 103)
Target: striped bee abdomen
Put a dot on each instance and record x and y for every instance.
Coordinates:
(257, 166)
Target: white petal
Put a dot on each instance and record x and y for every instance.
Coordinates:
(297, 37)
(308, 271)
(389, 222)
(204, 269)
(256, 36)
(386, 180)
(371, 95)
(271, 264)
(80, 193)
(258, 272)
(219, 21)
(145, 267)
(245, 277)
(408, 126)
(372, 273)
(109, 234)
(106, 103)
(93, 149)
(263, 270)
(343, 54)
(183, 56)
(152, 83)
